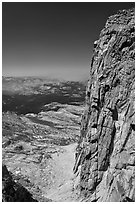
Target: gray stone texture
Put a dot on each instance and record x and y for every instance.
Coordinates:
(105, 158)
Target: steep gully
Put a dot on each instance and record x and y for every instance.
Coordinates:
(61, 165)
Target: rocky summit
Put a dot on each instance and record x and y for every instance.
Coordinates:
(105, 157)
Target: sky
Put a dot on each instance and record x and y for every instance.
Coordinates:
(49, 39)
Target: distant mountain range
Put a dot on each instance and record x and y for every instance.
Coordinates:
(29, 94)
(36, 85)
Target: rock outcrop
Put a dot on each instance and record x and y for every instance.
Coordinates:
(105, 157)
(12, 191)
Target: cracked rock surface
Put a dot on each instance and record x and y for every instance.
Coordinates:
(105, 157)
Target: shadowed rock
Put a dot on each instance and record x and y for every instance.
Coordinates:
(12, 191)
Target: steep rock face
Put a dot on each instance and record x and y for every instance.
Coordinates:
(105, 158)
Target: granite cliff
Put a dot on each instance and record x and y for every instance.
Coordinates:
(105, 156)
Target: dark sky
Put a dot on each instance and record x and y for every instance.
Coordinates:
(52, 39)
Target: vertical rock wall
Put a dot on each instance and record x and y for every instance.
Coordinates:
(105, 158)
